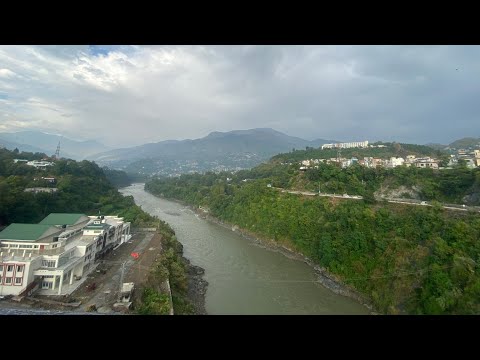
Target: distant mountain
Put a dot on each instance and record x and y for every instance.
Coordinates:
(465, 143)
(436, 146)
(47, 143)
(22, 147)
(216, 151)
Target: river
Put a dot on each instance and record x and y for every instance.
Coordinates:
(244, 277)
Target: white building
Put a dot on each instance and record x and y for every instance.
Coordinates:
(395, 161)
(360, 144)
(37, 190)
(54, 255)
(39, 164)
(426, 163)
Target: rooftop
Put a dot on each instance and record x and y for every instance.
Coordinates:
(80, 240)
(93, 226)
(28, 232)
(64, 219)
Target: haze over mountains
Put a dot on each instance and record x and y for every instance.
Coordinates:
(232, 150)
(36, 141)
(216, 151)
(262, 141)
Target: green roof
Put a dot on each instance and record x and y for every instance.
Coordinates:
(63, 219)
(27, 232)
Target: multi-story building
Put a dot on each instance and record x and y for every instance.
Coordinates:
(55, 254)
(395, 161)
(361, 144)
(426, 163)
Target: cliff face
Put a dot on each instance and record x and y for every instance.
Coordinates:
(473, 197)
(405, 192)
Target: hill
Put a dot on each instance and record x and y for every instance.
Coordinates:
(405, 259)
(36, 141)
(436, 146)
(217, 151)
(467, 142)
(389, 150)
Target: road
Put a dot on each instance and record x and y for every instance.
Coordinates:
(455, 207)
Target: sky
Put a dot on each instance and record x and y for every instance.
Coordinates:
(130, 95)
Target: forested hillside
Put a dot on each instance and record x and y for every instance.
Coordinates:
(82, 188)
(406, 259)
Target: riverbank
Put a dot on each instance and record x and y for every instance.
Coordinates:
(325, 278)
(197, 287)
(328, 280)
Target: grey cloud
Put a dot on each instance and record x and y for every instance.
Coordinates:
(150, 93)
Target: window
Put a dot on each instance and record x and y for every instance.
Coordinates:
(1, 268)
(18, 280)
(36, 246)
(8, 280)
(48, 263)
(0, 279)
(47, 285)
(19, 268)
(9, 268)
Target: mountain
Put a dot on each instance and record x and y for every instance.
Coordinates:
(22, 147)
(465, 143)
(47, 143)
(436, 146)
(216, 151)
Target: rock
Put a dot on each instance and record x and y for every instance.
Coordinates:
(472, 199)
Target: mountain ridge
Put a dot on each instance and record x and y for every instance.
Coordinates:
(216, 151)
(47, 143)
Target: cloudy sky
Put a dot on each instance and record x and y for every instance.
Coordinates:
(130, 95)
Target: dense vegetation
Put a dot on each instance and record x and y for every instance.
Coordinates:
(406, 259)
(450, 185)
(118, 178)
(171, 266)
(460, 185)
(83, 187)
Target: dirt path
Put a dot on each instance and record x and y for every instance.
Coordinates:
(140, 267)
(107, 288)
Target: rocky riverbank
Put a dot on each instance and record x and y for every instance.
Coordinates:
(328, 280)
(197, 287)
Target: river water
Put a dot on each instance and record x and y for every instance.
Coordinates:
(244, 277)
